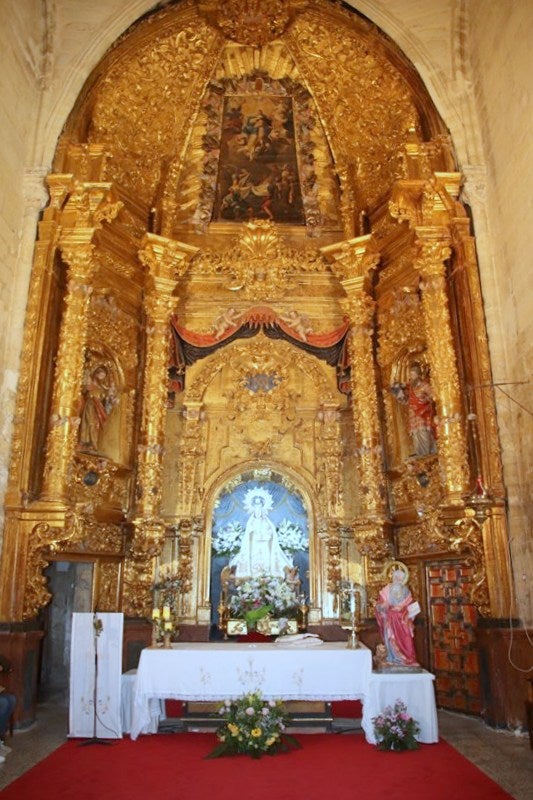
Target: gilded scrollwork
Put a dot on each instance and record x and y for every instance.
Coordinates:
(46, 538)
(353, 263)
(250, 21)
(345, 88)
(98, 481)
(186, 531)
(259, 263)
(334, 553)
(146, 96)
(467, 540)
(107, 590)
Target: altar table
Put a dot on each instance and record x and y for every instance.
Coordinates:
(212, 672)
(216, 671)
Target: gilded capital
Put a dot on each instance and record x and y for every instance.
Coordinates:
(353, 261)
(434, 249)
(166, 259)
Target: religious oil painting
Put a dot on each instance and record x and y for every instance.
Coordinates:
(260, 528)
(258, 171)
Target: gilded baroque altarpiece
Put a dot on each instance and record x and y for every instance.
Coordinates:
(255, 267)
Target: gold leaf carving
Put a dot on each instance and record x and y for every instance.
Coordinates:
(251, 21)
(258, 264)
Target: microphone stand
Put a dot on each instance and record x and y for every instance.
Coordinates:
(97, 630)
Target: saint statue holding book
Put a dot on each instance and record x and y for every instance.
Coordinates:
(395, 611)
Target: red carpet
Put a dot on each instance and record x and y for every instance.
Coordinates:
(173, 767)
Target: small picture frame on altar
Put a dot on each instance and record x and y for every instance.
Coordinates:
(291, 627)
(237, 627)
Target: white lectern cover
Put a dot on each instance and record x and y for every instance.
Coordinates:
(95, 673)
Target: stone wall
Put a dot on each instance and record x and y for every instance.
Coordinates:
(503, 90)
(21, 45)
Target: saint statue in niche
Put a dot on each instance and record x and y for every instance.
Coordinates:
(99, 399)
(418, 396)
(260, 552)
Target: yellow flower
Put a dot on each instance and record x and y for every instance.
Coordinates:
(270, 741)
(233, 729)
(256, 732)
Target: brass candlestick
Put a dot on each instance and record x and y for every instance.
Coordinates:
(353, 642)
(155, 633)
(223, 617)
(356, 596)
(302, 614)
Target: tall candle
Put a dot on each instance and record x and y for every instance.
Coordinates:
(352, 602)
(166, 612)
(155, 613)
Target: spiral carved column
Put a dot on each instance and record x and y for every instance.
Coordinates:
(434, 249)
(166, 262)
(77, 250)
(353, 262)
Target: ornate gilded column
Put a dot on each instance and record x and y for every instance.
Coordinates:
(77, 250)
(353, 262)
(433, 250)
(488, 457)
(88, 206)
(166, 262)
(38, 298)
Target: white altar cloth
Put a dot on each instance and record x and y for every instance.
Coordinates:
(215, 671)
(417, 692)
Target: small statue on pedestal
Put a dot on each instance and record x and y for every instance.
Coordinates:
(395, 611)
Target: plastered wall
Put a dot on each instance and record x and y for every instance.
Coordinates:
(21, 55)
(502, 69)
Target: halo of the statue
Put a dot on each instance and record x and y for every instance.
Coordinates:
(392, 566)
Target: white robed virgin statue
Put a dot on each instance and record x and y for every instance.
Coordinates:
(260, 552)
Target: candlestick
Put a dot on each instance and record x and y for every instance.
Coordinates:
(349, 590)
(155, 632)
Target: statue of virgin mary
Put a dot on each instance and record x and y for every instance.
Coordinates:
(260, 552)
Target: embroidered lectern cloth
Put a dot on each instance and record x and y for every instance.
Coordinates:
(95, 674)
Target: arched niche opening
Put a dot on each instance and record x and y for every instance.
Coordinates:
(260, 527)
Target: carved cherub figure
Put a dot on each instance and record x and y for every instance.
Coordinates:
(227, 319)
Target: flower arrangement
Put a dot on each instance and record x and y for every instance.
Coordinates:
(258, 597)
(168, 585)
(227, 540)
(395, 729)
(254, 726)
(291, 537)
